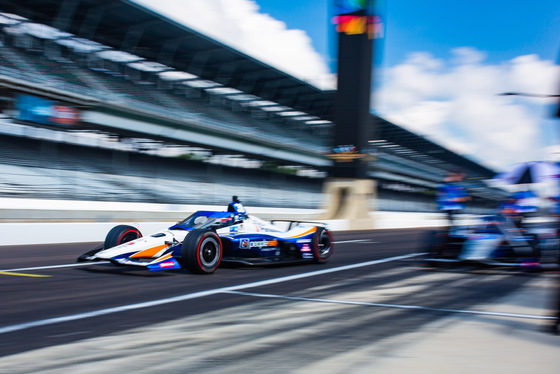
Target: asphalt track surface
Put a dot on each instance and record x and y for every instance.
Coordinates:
(100, 318)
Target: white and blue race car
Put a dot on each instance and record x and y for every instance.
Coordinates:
(495, 241)
(205, 239)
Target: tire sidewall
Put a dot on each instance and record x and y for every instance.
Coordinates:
(318, 256)
(121, 234)
(193, 251)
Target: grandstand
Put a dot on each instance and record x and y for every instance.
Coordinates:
(41, 168)
(120, 83)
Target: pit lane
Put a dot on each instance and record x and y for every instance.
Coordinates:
(297, 327)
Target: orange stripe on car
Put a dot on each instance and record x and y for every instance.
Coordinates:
(150, 252)
(305, 233)
(166, 257)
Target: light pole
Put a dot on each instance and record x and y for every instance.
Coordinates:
(557, 114)
(527, 94)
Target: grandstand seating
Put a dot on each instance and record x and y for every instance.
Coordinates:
(55, 170)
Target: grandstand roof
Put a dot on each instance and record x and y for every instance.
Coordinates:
(126, 26)
(390, 134)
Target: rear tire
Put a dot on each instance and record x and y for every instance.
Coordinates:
(201, 251)
(322, 245)
(434, 243)
(121, 234)
(534, 242)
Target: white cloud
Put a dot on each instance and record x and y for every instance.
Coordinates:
(238, 24)
(456, 103)
(467, 55)
(530, 74)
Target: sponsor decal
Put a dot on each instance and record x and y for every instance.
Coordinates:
(264, 243)
(246, 243)
(304, 241)
(306, 255)
(306, 248)
(168, 264)
(349, 152)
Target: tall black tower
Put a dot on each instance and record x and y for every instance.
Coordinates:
(349, 193)
(355, 28)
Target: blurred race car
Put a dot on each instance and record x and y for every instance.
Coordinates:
(203, 240)
(496, 241)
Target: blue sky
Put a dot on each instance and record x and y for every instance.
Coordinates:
(443, 64)
(503, 28)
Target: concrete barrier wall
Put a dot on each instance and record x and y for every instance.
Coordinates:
(65, 221)
(38, 210)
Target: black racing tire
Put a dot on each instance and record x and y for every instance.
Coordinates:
(434, 243)
(535, 243)
(201, 251)
(323, 247)
(121, 234)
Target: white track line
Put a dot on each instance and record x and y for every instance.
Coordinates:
(195, 295)
(356, 241)
(397, 306)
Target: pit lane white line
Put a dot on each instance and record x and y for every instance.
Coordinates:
(195, 295)
(55, 266)
(356, 241)
(397, 306)
(69, 334)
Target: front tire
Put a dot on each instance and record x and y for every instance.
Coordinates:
(121, 234)
(322, 245)
(201, 251)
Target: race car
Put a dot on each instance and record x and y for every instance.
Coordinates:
(205, 239)
(496, 241)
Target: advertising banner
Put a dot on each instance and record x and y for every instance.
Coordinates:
(47, 112)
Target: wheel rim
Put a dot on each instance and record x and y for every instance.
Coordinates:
(209, 252)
